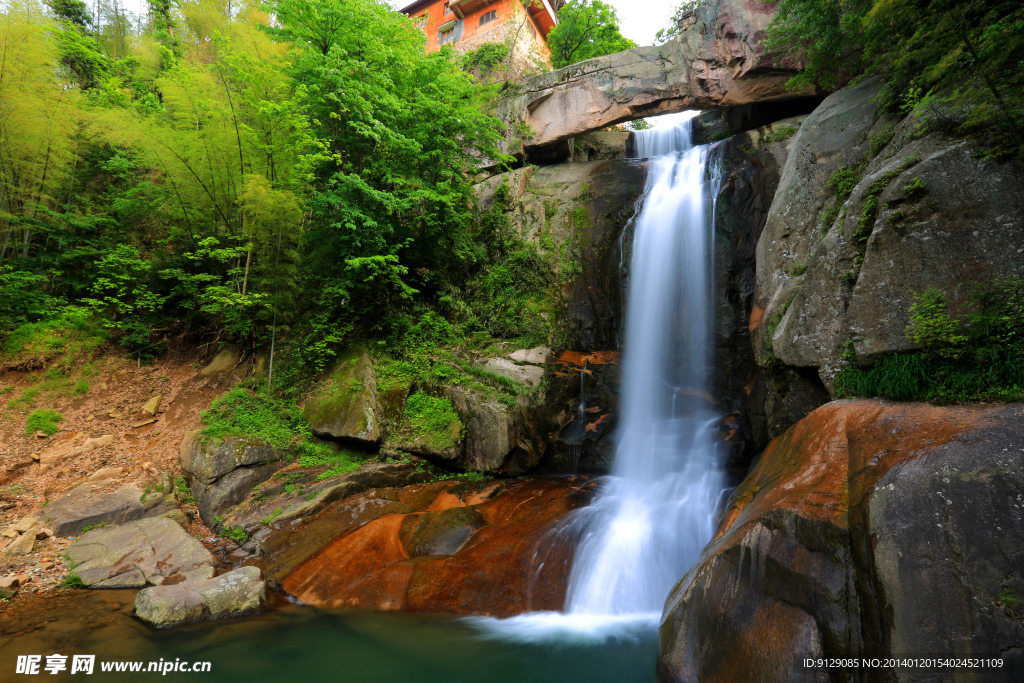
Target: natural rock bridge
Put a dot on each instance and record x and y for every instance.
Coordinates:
(717, 62)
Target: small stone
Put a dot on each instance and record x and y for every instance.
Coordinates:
(25, 524)
(20, 463)
(8, 582)
(152, 404)
(9, 532)
(42, 534)
(22, 579)
(46, 565)
(143, 423)
(106, 473)
(40, 434)
(90, 418)
(35, 456)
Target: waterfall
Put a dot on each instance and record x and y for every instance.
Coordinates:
(655, 513)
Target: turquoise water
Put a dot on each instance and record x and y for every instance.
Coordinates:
(296, 643)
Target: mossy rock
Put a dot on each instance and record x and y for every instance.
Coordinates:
(429, 426)
(344, 405)
(440, 533)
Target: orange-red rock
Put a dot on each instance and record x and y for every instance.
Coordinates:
(506, 567)
(869, 528)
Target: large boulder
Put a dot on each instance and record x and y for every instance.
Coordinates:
(222, 472)
(238, 592)
(84, 507)
(344, 404)
(924, 211)
(136, 554)
(868, 529)
(448, 548)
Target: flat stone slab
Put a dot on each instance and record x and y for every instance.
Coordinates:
(83, 507)
(240, 591)
(136, 554)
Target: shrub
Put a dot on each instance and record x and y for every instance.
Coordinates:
(44, 420)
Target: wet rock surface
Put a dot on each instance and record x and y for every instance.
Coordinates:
(486, 542)
(867, 529)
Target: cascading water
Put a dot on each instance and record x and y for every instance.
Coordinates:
(656, 512)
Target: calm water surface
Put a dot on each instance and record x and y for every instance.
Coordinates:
(293, 643)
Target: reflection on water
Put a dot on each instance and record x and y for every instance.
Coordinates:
(294, 643)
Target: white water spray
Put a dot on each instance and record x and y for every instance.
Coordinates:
(654, 515)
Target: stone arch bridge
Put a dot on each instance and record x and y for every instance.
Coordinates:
(717, 62)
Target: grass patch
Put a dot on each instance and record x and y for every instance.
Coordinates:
(234, 533)
(272, 516)
(980, 360)
(338, 461)
(26, 398)
(72, 581)
(44, 421)
(30, 346)
(778, 135)
(242, 412)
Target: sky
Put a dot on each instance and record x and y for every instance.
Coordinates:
(639, 20)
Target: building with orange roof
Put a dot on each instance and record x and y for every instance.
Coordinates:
(467, 24)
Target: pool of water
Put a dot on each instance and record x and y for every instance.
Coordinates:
(295, 643)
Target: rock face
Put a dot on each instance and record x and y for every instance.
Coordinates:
(923, 211)
(70, 447)
(575, 213)
(868, 529)
(344, 405)
(448, 548)
(146, 552)
(238, 592)
(718, 62)
(83, 506)
(222, 473)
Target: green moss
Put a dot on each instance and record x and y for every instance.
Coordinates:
(272, 516)
(432, 421)
(44, 420)
(880, 139)
(244, 412)
(778, 135)
(844, 180)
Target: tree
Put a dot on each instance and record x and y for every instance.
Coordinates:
(586, 29)
(685, 9)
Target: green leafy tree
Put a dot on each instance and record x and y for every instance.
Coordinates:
(586, 29)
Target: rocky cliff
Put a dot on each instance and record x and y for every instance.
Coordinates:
(866, 528)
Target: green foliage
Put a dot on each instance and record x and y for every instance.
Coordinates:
(431, 419)
(880, 139)
(586, 29)
(72, 581)
(338, 460)
(485, 58)
(919, 48)
(272, 516)
(242, 412)
(844, 180)
(183, 491)
(915, 190)
(44, 421)
(932, 328)
(683, 10)
(1012, 604)
(90, 527)
(982, 360)
(234, 533)
(778, 135)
